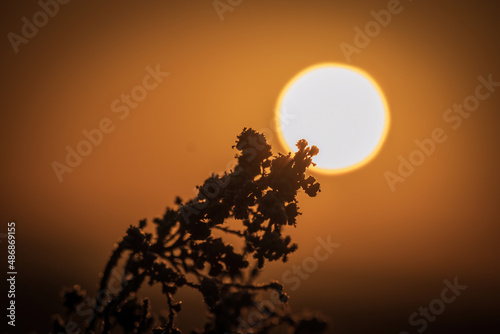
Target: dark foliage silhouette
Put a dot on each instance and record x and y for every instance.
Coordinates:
(253, 202)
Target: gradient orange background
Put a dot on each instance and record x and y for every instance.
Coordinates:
(396, 247)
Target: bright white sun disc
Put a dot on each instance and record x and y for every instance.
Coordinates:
(338, 108)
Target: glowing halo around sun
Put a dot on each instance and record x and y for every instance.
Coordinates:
(338, 108)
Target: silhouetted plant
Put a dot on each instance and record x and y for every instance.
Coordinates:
(183, 251)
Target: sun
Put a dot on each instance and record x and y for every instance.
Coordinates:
(338, 108)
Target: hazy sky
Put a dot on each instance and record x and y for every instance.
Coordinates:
(169, 85)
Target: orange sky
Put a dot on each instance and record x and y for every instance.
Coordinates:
(397, 247)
